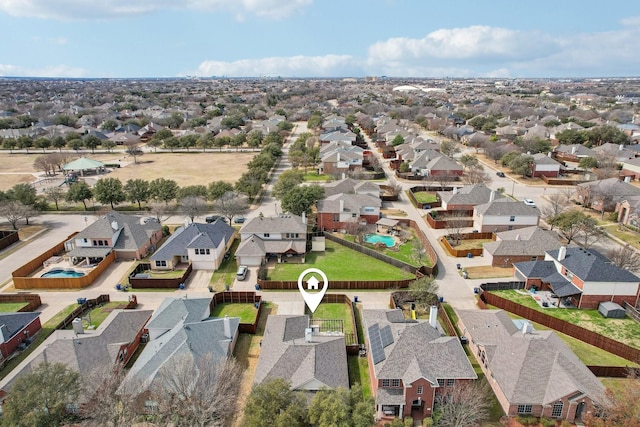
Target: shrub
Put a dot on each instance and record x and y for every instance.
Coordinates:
(427, 422)
(527, 420)
(613, 216)
(165, 231)
(547, 422)
(408, 422)
(565, 423)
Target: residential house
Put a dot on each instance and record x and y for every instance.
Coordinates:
(431, 163)
(351, 186)
(16, 328)
(87, 350)
(338, 135)
(504, 214)
(582, 277)
(338, 211)
(465, 198)
(629, 211)
(201, 245)
(572, 153)
(554, 131)
(532, 373)
(537, 131)
(281, 237)
(544, 165)
(618, 152)
(129, 236)
(411, 363)
(519, 245)
(295, 351)
(180, 330)
(631, 168)
(604, 195)
(341, 161)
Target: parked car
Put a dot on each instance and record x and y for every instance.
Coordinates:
(238, 219)
(500, 174)
(241, 274)
(213, 218)
(529, 202)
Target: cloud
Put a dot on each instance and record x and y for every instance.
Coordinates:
(8, 70)
(294, 66)
(69, 10)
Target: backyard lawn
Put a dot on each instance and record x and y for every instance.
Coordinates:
(226, 273)
(425, 197)
(403, 253)
(624, 330)
(314, 176)
(337, 311)
(488, 272)
(359, 373)
(11, 307)
(246, 312)
(340, 263)
(466, 244)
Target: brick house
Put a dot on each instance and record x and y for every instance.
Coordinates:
(519, 245)
(532, 372)
(504, 214)
(338, 211)
(583, 277)
(411, 363)
(544, 165)
(465, 198)
(604, 194)
(16, 328)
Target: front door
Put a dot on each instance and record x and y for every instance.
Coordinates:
(579, 411)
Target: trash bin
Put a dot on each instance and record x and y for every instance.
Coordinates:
(119, 287)
(441, 299)
(181, 286)
(81, 300)
(257, 287)
(469, 255)
(226, 288)
(458, 266)
(355, 299)
(476, 290)
(465, 275)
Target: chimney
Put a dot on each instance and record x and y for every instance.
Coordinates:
(526, 328)
(227, 327)
(77, 326)
(341, 205)
(433, 316)
(517, 237)
(621, 147)
(304, 217)
(492, 196)
(562, 253)
(549, 154)
(4, 333)
(627, 179)
(338, 156)
(573, 149)
(343, 175)
(455, 190)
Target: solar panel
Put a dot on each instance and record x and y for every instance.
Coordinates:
(386, 336)
(377, 351)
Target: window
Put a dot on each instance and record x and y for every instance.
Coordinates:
(101, 243)
(208, 251)
(419, 391)
(395, 383)
(385, 383)
(353, 215)
(73, 408)
(524, 409)
(557, 410)
(336, 217)
(440, 383)
(534, 258)
(450, 382)
(161, 263)
(266, 234)
(151, 405)
(512, 218)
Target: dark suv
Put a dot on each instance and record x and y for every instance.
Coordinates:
(213, 218)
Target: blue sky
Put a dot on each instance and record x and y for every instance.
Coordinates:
(319, 38)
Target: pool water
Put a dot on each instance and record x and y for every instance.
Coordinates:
(380, 238)
(62, 273)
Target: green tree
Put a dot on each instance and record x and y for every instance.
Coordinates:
(79, 192)
(217, 189)
(469, 160)
(286, 181)
(205, 141)
(315, 121)
(40, 397)
(397, 140)
(449, 147)
(569, 223)
(571, 136)
(233, 121)
(108, 145)
(221, 141)
(25, 142)
(164, 190)
(249, 184)
(273, 403)
(171, 143)
(588, 163)
(42, 143)
(137, 191)
(175, 120)
(192, 190)
(189, 141)
(92, 142)
(301, 199)
(521, 165)
(109, 190)
(602, 134)
(23, 193)
(9, 144)
(75, 144)
(254, 138)
(59, 143)
(330, 408)
(424, 291)
(109, 125)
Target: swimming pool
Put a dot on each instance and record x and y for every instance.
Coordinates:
(380, 238)
(58, 272)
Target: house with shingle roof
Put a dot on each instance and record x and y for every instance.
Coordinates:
(340, 160)
(16, 328)
(180, 329)
(279, 237)
(544, 165)
(519, 245)
(572, 153)
(465, 198)
(605, 194)
(411, 363)
(129, 236)
(307, 359)
(110, 344)
(201, 245)
(532, 372)
(583, 277)
(504, 214)
(336, 212)
(351, 186)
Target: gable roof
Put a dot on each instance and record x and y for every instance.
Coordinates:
(506, 207)
(15, 322)
(349, 185)
(285, 223)
(134, 234)
(591, 266)
(416, 350)
(173, 310)
(523, 241)
(286, 354)
(469, 195)
(513, 357)
(195, 235)
(351, 203)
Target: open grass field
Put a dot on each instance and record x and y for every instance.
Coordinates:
(246, 312)
(340, 263)
(194, 168)
(623, 330)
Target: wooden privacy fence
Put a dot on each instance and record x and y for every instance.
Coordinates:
(87, 304)
(582, 334)
(240, 297)
(351, 340)
(340, 284)
(34, 264)
(8, 238)
(156, 282)
(460, 253)
(32, 300)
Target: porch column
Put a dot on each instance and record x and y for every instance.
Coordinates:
(401, 412)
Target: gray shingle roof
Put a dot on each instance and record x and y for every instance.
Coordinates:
(469, 195)
(284, 353)
(196, 235)
(591, 266)
(532, 241)
(505, 207)
(536, 368)
(351, 203)
(287, 223)
(15, 322)
(134, 234)
(173, 310)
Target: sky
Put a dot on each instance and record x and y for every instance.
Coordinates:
(320, 38)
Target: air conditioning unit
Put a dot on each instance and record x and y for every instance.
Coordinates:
(144, 338)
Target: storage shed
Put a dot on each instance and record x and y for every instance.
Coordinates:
(611, 310)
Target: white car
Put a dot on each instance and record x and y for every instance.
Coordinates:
(529, 202)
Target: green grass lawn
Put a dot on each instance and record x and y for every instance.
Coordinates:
(425, 197)
(337, 311)
(359, 373)
(246, 312)
(624, 330)
(340, 263)
(169, 274)
(11, 307)
(314, 176)
(403, 253)
(226, 273)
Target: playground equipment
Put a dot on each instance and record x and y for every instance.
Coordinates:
(70, 179)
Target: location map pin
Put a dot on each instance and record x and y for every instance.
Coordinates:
(313, 299)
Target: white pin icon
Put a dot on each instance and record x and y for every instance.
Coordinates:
(313, 299)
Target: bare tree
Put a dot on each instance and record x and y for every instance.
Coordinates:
(418, 252)
(475, 175)
(558, 203)
(589, 232)
(357, 230)
(456, 222)
(444, 179)
(394, 188)
(622, 407)
(192, 206)
(160, 211)
(424, 291)
(106, 403)
(625, 257)
(13, 211)
(198, 393)
(132, 148)
(465, 404)
(55, 194)
(230, 204)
